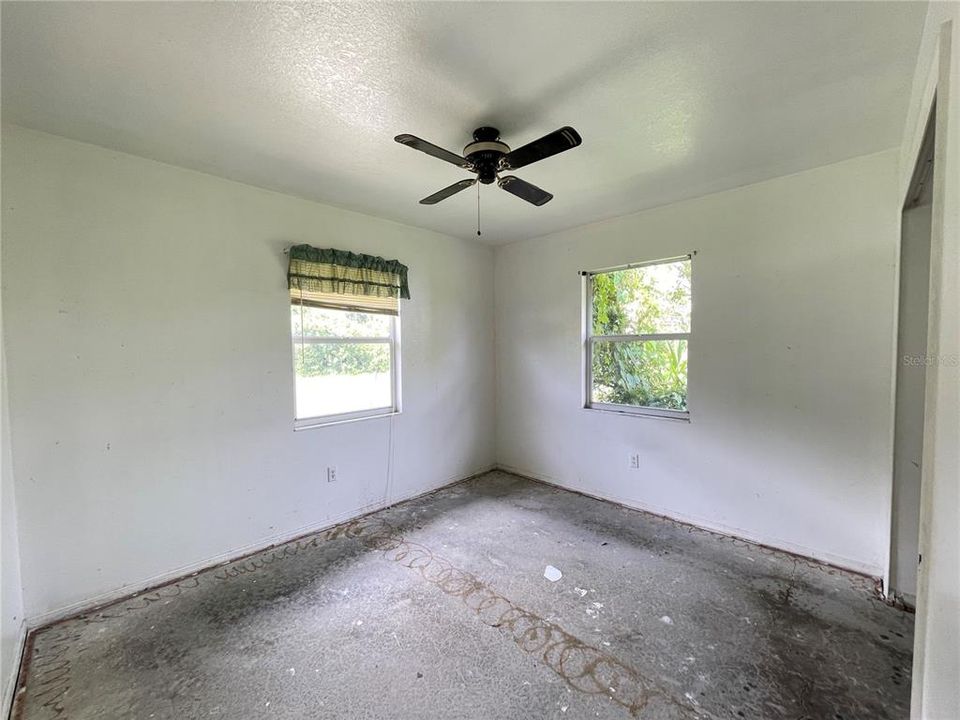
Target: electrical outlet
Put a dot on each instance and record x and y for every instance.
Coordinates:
(331, 474)
(634, 461)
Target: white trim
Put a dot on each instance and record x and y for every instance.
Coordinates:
(395, 363)
(10, 683)
(844, 563)
(393, 339)
(587, 340)
(929, 124)
(318, 340)
(934, 675)
(923, 90)
(640, 411)
(923, 94)
(586, 304)
(646, 263)
(81, 606)
(342, 418)
(640, 338)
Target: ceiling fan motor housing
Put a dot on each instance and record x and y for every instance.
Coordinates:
(486, 156)
(484, 153)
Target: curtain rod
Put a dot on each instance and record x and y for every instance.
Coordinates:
(630, 266)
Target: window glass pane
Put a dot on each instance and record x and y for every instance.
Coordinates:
(335, 378)
(323, 322)
(648, 373)
(643, 300)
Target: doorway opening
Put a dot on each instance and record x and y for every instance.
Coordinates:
(912, 323)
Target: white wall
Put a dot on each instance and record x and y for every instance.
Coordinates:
(791, 361)
(936, 670)
(11, 596)
(12, 623)
(151, 391)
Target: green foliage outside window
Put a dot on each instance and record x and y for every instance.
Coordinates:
(313, 359)
(646, 300)
(316, 359)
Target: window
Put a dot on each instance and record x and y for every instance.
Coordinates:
(344, 321)
(636, 334)
(345, 363)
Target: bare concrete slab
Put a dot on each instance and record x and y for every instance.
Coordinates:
(439, 608)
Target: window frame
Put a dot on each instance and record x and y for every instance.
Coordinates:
(393, 339)
(588, 338)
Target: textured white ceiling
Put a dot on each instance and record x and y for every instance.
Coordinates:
(672, 100)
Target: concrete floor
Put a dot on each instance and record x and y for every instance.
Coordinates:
(438, 608)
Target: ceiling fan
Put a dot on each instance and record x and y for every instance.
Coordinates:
(487, 156)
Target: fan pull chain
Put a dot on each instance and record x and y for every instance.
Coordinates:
(478, 209)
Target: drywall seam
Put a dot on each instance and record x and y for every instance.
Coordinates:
(843, 563)
(37, 622)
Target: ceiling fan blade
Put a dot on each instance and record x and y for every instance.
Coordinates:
(431, 149)
(448, 191)
(566, 138)
(524, 190)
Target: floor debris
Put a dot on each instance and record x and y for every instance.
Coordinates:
(552, 574)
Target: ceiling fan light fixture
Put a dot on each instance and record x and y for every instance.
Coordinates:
(486, 146)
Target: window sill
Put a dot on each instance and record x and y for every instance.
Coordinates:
(314, 423)
(654, 413)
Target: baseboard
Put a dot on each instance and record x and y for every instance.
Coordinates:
(10, 684)
(843, 563)
(41, 620)
(36, 622)
(907, 601)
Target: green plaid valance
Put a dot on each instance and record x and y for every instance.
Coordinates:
(323, 277)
